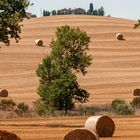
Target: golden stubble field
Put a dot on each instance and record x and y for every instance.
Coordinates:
(115, 70)
(114, 73)
(127, 128)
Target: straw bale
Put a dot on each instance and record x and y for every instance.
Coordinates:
(102, 125)
(136, 92)
(3, 93)
(119, 36)
(4, 135)
(81, 134)
(38, 42)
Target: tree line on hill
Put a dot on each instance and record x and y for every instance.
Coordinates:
(90, 11)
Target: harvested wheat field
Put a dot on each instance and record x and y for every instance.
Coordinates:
(115, 70)
(127, 128)
(114, 73)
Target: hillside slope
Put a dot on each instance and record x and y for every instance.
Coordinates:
(115, 70)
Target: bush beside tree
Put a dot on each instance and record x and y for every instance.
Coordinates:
(116, 102)
(122, 108)
(22, 110)
(7, 105)
(40, 108)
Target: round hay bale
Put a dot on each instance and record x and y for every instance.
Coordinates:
(4, 135)
(119, 36)
(136, 92)
(39, 42)
(102, 125)
(3, 93)
(81, 134)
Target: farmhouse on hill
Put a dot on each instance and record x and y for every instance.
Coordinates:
(72, 11)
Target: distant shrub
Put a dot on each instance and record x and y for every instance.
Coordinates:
(40, 108)
(7, 105)
(136, 102)
(115, 103)
(122, 108)
(22, 110)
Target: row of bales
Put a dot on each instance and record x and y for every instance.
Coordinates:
(39, 42)
(95, 127)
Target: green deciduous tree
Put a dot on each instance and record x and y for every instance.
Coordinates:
(101, 11)
(59, 88)
(98, 12)
(91, 9)
(46, 13)
(58, 12)
(95, 12)
(53, 13)
(11, 13)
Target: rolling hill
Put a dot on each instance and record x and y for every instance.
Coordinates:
(115, 70)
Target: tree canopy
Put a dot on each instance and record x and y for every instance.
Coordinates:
(58, 87)
(11, 13)
(46, 13)
(91, 9)
(53, 12)
(101, 11)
